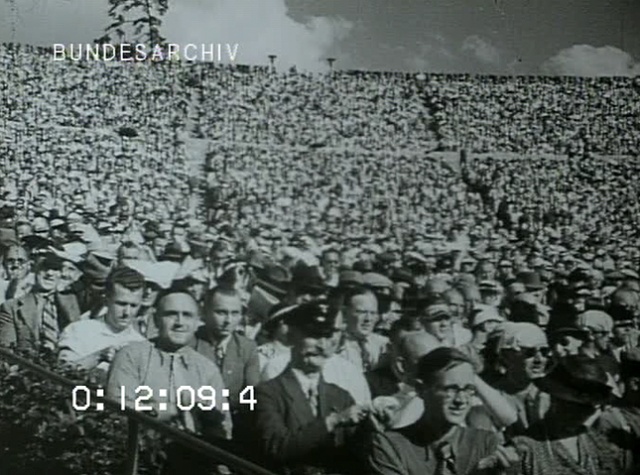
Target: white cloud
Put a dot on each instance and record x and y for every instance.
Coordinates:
(432, 55)
(586, 60)
(260, 28)
(481, 50)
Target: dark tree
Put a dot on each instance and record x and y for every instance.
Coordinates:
(136, 21)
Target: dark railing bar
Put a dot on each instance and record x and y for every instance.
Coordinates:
(184, 438)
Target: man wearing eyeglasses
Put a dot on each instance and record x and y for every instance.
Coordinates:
(440, 443)
(18, 278)
(35, 320)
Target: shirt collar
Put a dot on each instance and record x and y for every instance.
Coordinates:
(183, 355)
(306, 381)
(225, 343)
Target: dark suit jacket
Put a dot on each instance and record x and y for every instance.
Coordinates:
(20, 318)
(240, 367)
(288, 433)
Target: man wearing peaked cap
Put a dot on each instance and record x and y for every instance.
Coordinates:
(307, 283)
(302, 421)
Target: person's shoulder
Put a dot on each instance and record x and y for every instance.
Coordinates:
(245, 342)
(342, 365)
(402, 438)
(379, 339)
(199, 359)
(480, 436)
(84, 327)
(273, 385)
(136, 347)
(14, 303)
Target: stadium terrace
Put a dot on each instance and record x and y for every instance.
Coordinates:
(210, 52)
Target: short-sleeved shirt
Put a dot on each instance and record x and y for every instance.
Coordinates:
(85, 337)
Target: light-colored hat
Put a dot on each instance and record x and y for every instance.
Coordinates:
(516, 335)
(159, 273)
(485, 313)
(596, 320)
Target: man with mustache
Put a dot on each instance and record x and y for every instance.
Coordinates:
(302, 422)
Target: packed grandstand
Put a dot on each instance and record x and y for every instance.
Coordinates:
(452, 221)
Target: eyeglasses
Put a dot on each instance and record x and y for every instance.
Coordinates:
(17, 262)
(451, 392)
(530, 352)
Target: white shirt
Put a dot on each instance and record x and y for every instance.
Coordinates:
(307, 382)
(336, 370)
(85, 337)
(461, 335)
(376, 345)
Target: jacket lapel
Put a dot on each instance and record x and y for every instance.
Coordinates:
(324, 399)
(28, 313)
(300, 408)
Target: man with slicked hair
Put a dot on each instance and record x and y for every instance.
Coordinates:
(167, 363)
(440, 442)
(92, 343)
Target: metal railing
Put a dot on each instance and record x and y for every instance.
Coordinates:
(135, 419)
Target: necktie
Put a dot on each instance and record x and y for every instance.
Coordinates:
(312, 396)
(219, 355)
(49, 329)
(364, 354)
(445, 461)
(179, 378)
(531, 408)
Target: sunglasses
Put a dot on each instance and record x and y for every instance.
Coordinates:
(17, 262)
(530, 352)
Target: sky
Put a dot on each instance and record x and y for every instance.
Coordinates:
(556, 37)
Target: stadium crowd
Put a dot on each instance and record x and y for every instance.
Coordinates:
(369, 308)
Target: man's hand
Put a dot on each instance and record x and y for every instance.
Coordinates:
(348, 417)
(384, 411)
(107, 354)
(503, 458)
